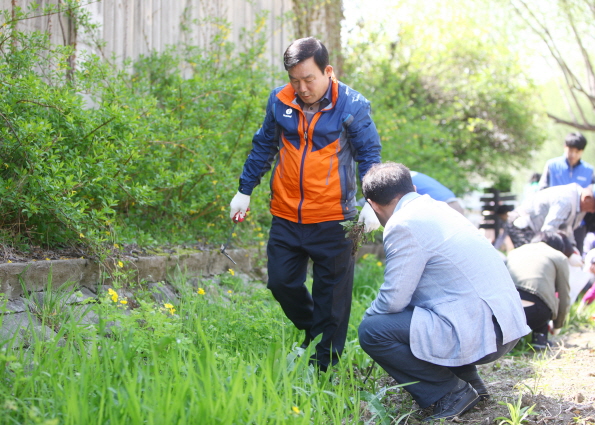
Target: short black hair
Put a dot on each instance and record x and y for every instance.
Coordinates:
(557, 240)
(303, 49)
(384, 182)
(576, 140)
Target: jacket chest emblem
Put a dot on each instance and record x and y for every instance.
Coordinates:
(288, 113)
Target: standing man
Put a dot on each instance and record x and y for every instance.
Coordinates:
(447, 302)
(317, 128)
(569, 168)
(557, 208)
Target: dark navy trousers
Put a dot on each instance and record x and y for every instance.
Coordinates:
(325, 311)
(385, 338)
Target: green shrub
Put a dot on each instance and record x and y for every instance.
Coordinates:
(94, 154)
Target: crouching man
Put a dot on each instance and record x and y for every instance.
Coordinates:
(447, 302)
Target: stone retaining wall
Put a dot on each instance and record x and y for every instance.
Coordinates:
(19, 325)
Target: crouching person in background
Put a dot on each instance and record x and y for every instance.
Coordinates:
(539, 271)
(447, 302)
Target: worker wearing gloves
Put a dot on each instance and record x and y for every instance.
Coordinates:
(540, 273)
(315, 129)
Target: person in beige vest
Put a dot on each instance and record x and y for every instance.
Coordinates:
(539, 271)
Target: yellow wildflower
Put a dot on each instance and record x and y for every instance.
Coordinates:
(230, 292)
(233, 234)
(81, 235)
(120, 264)
(113, 294)
(170, 307)
(214, 182)
(261, 243)
(295, 410)
(379, 264)
(123, 302)
(116, 245)
(201, 291)
(47, 259)
(9, 261)
(231, 272)
(260, 235)
(365, 256)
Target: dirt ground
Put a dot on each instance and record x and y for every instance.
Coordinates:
(560, 382)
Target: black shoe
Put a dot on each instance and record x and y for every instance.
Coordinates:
(480, 389)
(539, 341)
(462, 398)
(320, 367)
(307, 340)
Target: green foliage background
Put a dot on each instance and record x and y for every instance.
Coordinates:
(150, 153)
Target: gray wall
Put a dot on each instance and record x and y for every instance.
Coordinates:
(134, 27)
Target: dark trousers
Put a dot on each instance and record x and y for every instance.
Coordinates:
(518, 236)
(538, 315)
(385, 337)
(579, 236)
(326, 310)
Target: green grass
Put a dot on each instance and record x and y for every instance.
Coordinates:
(220, 358)
(215, 357)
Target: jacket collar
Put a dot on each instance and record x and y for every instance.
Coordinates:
(287, 95)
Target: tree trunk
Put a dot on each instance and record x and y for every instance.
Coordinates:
(321, 19)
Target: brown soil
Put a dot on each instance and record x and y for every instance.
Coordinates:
(559, 382)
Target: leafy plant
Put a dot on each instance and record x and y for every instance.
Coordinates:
(518, 414)
(92, 155)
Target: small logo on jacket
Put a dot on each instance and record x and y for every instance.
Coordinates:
(288, 113)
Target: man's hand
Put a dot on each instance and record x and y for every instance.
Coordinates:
(238, 206)
(368, 217)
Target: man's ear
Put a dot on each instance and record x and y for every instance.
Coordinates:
(374, 205)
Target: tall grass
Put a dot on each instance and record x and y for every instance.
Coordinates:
(223, 354)
(219, 356)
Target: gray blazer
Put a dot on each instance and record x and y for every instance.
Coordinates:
(439, 263)
(552, 209)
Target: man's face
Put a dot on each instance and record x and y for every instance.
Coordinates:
(308, 81)
(587, 203)
(573, 155)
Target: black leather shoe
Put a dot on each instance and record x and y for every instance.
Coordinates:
(539, 341)
(480, 389)
(462, 398)
(307, 340)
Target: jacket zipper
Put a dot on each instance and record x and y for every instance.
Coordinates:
(302, 165)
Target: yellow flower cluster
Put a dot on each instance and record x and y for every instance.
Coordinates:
(113, 294)
(170, 307)
(201, 291)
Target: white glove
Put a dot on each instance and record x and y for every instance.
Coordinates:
(555, 331)
(239, 205)
(368, 217)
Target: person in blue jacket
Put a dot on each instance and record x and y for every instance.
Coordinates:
(318, 135)
(570, 168)
(426, 185)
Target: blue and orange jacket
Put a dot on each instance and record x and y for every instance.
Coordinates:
(314, 177)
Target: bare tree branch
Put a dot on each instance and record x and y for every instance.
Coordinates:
(575, 87)
(586, 58)
(586, 127)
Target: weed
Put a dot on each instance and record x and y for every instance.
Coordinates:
(518, 414)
